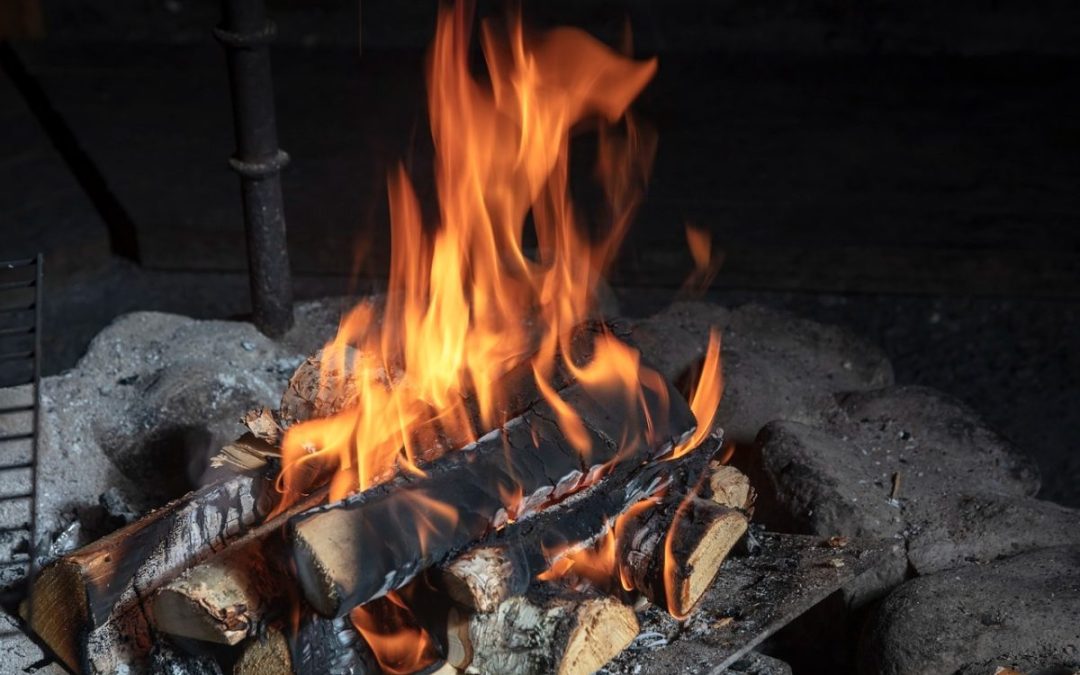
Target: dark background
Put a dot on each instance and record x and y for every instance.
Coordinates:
(906, 168)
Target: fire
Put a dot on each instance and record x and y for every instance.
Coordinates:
(466, 302)
(389, 627)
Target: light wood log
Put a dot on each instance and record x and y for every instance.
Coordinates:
(320, 646)
(676, 574)
(89, 605)
(550, 629)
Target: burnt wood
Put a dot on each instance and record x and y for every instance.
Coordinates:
(88, 606)
(549, 629)
(342, 552)
(505, 564)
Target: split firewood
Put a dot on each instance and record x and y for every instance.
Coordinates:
(80, 600)
(550, 629)
(344, 558)
(263, 425)
(484, 576)
(319, 646)
(730, 487)
(672, 551)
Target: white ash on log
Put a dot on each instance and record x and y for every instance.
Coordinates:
(550, 629)
(344, 558)
(88, 605)
(505, 564)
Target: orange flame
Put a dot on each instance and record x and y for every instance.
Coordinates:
(389, 627)
(465, 303)
(706, 395)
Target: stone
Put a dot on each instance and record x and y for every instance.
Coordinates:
(776, 365)
(755, 663)
(20, 654)
(912, 465)
(136, 420)
(1021, 612)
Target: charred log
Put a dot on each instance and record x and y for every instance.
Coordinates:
(672, 551)
(88, 606)
(344, 559)
(484, 576)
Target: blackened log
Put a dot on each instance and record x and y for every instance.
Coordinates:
(505, 564)
(550, 629)
(673, 551)
(88, 606)
(344, 556)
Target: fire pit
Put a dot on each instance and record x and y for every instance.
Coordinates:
(480, 472)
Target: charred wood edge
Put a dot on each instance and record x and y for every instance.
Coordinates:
(549, 629)
(506, 562)
(226, 598)
(85, 590)
(343, 557)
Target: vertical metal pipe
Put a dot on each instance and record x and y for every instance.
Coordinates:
(246, 34)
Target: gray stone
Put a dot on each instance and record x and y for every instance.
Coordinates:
(1021, 612)
(912, 465)
(155, 394)
(776, 365)
(20, 654)
(756, 663)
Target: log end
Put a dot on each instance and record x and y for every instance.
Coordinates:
(177, 613)
(605, 627)
(267, 654)
(318, 555)
(59, 611)
(731, 487)
(705, 558)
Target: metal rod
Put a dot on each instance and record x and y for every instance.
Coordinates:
(246, 34)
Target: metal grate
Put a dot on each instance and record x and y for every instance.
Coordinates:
(20, 399)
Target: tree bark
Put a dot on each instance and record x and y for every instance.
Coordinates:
(89, 605)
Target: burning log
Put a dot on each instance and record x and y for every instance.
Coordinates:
(672, 551)
(550, 629)
(341, 552)
(484, 576)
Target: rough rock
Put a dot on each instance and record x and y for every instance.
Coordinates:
(912, 465)
(776, 365)
(1021, 612)
(155, 394)
(20, 654)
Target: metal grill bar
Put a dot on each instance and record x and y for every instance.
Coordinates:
(20, 349)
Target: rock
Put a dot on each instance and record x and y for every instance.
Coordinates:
(20, 654)
(912, 465)
(1021, 612)
(776, 365)
(755, 663)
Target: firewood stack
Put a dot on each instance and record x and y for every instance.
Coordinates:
(494, 587)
